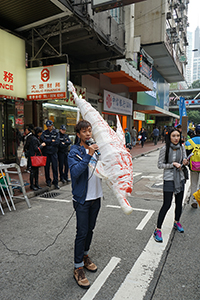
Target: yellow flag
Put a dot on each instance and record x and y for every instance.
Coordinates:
(197, 196)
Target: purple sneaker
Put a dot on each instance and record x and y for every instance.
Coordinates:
(178, 227)
(158, 236)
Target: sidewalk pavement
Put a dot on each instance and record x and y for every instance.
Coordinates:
(135, 152)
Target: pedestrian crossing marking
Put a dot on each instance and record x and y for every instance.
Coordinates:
(144, 220)
(54, 199)
(101, 279)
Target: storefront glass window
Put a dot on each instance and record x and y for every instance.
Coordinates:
(2, 132)
(60, 113)
(19, 126)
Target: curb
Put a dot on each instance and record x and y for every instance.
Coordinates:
(143, 154)
(41, 191)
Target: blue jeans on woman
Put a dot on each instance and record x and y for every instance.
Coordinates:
(86, 216)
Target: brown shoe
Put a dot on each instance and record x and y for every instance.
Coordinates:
(88, 264)
(79, 276)
(194, 205)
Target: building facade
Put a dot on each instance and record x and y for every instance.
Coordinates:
(12, 95)
(107, 52)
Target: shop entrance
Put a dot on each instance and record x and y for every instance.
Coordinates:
(2, 132)
(12, 130)
(10, 134)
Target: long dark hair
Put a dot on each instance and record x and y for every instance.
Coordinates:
(168, 141)
(38, 130)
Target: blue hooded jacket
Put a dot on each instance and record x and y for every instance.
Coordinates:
(78, 161)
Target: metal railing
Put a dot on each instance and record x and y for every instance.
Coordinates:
(7, 186)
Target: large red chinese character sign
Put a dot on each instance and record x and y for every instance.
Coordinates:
(7, 79)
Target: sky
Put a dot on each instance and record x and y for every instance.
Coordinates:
(193, 14)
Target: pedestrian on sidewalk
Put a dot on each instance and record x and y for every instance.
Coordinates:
(50, 138)
(87, 193)
(35, 148)
(27, 139)
(171, 157)
(143, 136)
(164, 133)
(127, 139)
(155, 135)
(63, 154)
(179, 127)
(133, 133)
(194, 175)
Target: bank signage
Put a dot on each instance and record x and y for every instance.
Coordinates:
(117, 104)
(138, 116)
(47, 83)
(12, 66)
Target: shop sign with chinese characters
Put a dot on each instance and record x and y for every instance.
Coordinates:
(7, 81)
(12, 66)
(117, 104)
(45, 83)
(138, 116)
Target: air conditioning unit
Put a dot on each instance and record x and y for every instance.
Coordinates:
(173, 30)
(178, 20)
(175, 41)
(169, 15)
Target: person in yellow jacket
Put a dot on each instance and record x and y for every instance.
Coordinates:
(194, 175)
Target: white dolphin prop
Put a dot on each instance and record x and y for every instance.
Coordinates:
(116, 160)
(119, 131)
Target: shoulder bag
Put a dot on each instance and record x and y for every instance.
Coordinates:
(38, 161)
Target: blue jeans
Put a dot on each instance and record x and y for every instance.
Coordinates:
(155, 140)
(86, 215)
(133, 141)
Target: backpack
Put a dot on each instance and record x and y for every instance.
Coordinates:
(195, 158)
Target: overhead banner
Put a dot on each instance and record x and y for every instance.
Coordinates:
(182, 109)
(47, 83)
(12, 66)
(117, 104)
(192, 102)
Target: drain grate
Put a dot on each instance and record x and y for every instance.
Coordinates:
(50, 195)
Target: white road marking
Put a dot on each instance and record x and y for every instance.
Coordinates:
(159, 177)
(136, 174)
(96, 286)
(138, 279)
(144, 220)
(54, 199)
(148, 176)
(157, 184)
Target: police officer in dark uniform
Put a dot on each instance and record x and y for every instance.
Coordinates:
(51, 139)
(63, 153)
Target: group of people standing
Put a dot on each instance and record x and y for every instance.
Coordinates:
(132, 137)
(54, 145)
